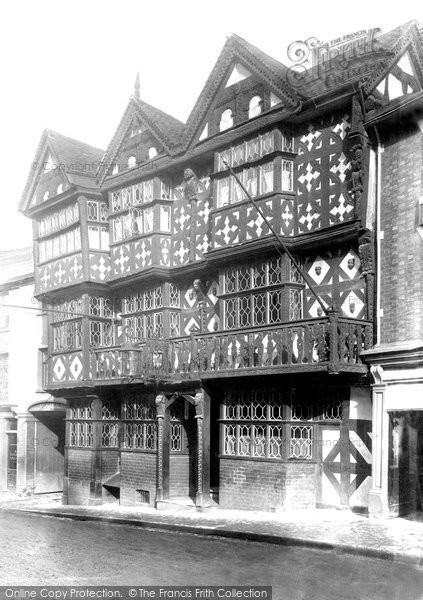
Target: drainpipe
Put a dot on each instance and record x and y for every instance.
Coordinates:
(379, 233)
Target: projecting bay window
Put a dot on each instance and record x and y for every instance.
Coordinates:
(260, 294)
(260, 424)
(254, 149)
(102, 325)
(141, 317)
(136, 222)
(258, 181)
(81, 426)
(65, 243)
(140, 423)
(140, 193)
(57, 220)
(98, 237)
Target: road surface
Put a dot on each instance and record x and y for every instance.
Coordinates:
(41, 550)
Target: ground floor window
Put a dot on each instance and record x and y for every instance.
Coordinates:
(267, 424)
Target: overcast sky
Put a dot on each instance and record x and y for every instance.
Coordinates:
(70, 66)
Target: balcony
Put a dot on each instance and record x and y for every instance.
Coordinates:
(332, 344)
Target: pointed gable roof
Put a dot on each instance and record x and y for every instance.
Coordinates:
(398, 41)
(76, 160)
(166, 129)
(235, 50)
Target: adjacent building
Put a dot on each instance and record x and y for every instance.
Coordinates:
(197, 361)
(32, 426)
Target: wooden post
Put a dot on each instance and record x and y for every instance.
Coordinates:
(162, 487)
(334, 358)
(202, 415)
(95, 483)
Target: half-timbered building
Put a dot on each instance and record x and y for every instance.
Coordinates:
(209, 285)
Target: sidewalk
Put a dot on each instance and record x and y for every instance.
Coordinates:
(399, 539)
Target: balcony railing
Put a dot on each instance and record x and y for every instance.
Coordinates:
(331, 343)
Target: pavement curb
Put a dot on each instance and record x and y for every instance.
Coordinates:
(252, 536)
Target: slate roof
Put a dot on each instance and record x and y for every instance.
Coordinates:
(169, 127)
(74, 155)
(16, 265)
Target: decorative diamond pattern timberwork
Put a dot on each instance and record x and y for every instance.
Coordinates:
(100, 268)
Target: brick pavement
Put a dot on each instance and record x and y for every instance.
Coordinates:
(399, 539)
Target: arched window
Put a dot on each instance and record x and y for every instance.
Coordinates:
(132, 162)
(226, 120)
(59, 189)
(115, 169)
(255, 107)
(152, 152)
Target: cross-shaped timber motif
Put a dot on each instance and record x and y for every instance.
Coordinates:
(122, 260)
(309, 217)
(59, 274)
(229, 230)
(182, 252)
(343, 207)
(75, 268)
(341, 166)
(310, 175)
(342, 127)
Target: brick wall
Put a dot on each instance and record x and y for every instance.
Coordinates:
(402, 247)
(79, 476)
(259, 485)
(138, 472)
(109, 463)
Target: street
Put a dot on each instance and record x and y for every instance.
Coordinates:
(42, 550)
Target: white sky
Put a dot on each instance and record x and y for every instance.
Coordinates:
(70, 66)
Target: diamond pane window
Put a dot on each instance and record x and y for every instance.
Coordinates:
(225, 156)
(295, 304)
(238, 155)
(244, 440)
(300, 446)
(259, 309)
(175, 327)
(267, 143)
(244, 311)
(223, 197)
(259, 441)
(244, 278)
(231, 280)
(229, 437)
(92, 211)
(287, 176)
(275, 306)
(250, 178)
(237, 194)
(275, 441)
(253, 149)
(266, 178)
(230, 314)
(174, 296)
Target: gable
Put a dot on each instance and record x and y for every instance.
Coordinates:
(144, 132)
(49, 178)
(400, 80)
(238, 73)
(138, 146)
(240, 97)
(241, 72)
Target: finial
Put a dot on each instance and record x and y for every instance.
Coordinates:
(137, 86)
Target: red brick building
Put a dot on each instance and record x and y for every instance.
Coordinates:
(195, 359)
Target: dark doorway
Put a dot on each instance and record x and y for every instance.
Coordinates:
(405, 477)
(49, 445)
